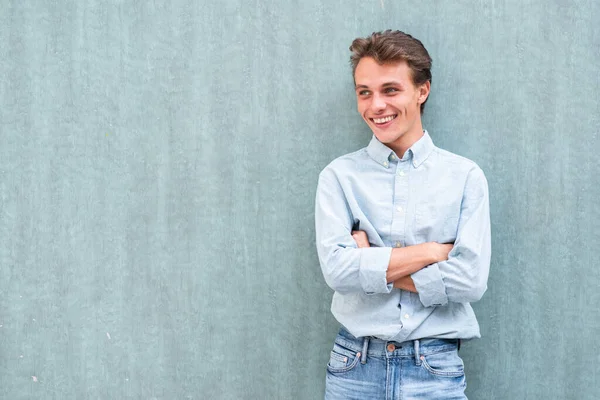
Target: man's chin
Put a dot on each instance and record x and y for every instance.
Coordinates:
(385, 139)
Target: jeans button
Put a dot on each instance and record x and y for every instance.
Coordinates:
(391, 347)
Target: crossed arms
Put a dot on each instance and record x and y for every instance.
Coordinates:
(407, 260)
(439, 273)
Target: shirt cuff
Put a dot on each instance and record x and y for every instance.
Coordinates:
(430, 286)
(374, 263)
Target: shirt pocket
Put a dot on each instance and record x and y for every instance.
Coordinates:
(451, 228)
(436, 223)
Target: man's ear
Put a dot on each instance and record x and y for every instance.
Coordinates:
(424, 92)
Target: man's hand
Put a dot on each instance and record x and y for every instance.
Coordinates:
(439, 251)
(405, 283)
(361, 239)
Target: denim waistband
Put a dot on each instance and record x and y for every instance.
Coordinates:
(387, 348)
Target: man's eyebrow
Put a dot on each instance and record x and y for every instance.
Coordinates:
(391, 83)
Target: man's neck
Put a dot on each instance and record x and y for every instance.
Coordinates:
(406, 141)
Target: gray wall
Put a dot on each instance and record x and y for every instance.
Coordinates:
(158, 166)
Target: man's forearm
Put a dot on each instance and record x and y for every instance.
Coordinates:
(407, 260)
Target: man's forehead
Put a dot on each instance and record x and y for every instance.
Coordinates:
(371, 73)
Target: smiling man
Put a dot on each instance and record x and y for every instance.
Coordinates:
(403, 238)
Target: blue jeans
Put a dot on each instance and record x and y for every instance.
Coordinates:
(420, 369)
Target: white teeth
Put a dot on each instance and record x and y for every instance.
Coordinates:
(384, 120)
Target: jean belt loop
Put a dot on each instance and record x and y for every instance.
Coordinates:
(363, 356)
(417, 355)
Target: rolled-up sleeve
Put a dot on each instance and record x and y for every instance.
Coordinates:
(345, 267)
(463, 277)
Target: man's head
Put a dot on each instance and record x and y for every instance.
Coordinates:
(391, 47)
(392, 77)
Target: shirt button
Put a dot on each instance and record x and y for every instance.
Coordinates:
(391, 347)
(393, 157)
(385, 164)
(406, 316)
(399, 209)
(398, 244)
(401, 173)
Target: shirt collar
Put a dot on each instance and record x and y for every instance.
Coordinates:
(419, 151)
(422, 149)
(379, 152)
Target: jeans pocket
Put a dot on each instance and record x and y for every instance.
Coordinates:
(445, 364)
(342, 359)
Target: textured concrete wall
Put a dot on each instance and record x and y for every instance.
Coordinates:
(158, 162)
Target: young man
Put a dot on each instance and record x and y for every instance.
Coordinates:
(403, 238)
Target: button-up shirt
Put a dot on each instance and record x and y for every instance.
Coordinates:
(428, 195)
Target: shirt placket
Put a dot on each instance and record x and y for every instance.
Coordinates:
(399, 223)
(400, 202)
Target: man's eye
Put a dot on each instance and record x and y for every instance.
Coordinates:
(390, 90)
(364, 93)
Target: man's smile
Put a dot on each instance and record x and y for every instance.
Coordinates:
(383, 120)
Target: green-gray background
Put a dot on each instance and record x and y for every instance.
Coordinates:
(158, 163)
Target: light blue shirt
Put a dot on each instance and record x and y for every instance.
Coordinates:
(430, 195)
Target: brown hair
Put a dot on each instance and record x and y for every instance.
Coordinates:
(394, 46)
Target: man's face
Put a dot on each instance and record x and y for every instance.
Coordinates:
(390, 103)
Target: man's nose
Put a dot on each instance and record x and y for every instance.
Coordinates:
(378, 103)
